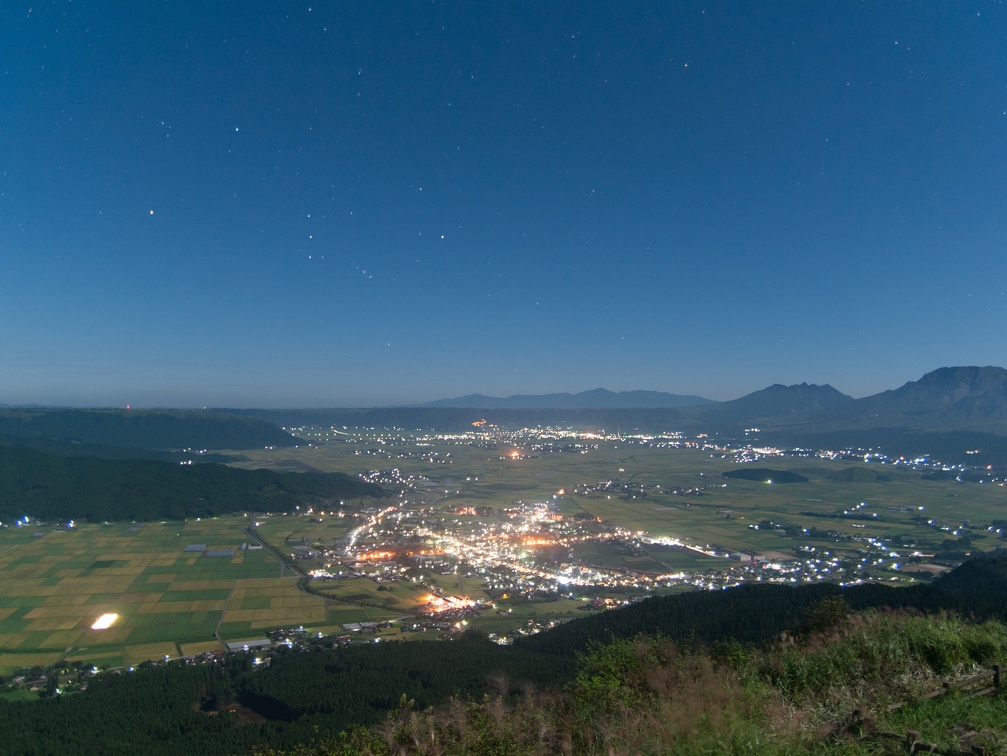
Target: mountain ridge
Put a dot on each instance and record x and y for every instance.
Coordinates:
(946, 400)
(599, 398)
(948, 397)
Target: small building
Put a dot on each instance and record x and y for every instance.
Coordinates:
(249, 644)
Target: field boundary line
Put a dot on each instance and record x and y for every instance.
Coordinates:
(216, 633)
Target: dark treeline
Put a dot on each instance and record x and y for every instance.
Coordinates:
(147, 429)
(759, 613)
(360, 684)
(65, 448)
(176, 709)
(57, 488)
(155, 711)
(765, 475)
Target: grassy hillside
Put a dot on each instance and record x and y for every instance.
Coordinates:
(827, 692)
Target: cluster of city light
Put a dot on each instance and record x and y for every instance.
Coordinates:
(532, 541)
(376, 556)
(500, 547)
(447, 603)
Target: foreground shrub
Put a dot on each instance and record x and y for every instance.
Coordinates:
(648, 695)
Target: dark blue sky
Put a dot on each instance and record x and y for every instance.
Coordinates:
(353, 203)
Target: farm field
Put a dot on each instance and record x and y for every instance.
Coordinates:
(680, 492)
(181, 588)
(162, 581)
(844, 517)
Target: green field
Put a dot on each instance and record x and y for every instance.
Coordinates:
(385, 600)
(55, 582)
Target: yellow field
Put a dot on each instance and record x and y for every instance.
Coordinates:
(12, 662)
(55, 582)
(198, 585)
(142, 652)
(194, 649)
(97, 658)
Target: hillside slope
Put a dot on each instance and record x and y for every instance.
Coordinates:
(148, 429)
(59, 488)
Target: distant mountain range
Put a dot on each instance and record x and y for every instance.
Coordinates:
(950, 397)
(949, 411)
(598, 398)
(947, 397)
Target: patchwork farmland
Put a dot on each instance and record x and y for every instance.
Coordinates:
(170, 598)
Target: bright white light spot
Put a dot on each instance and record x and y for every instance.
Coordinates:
(104, 621)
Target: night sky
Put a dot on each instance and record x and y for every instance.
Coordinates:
(368, 203)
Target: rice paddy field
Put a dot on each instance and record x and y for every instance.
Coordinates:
(177, 588)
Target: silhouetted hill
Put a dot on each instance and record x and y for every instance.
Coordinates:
(777, 406)
(765, 475)
(945, 397)
(59, 488)
(983, 576)
(147, 429)
(77, 449)
(952, 397)
(598, 398)
(945, 412)
(782, 405)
